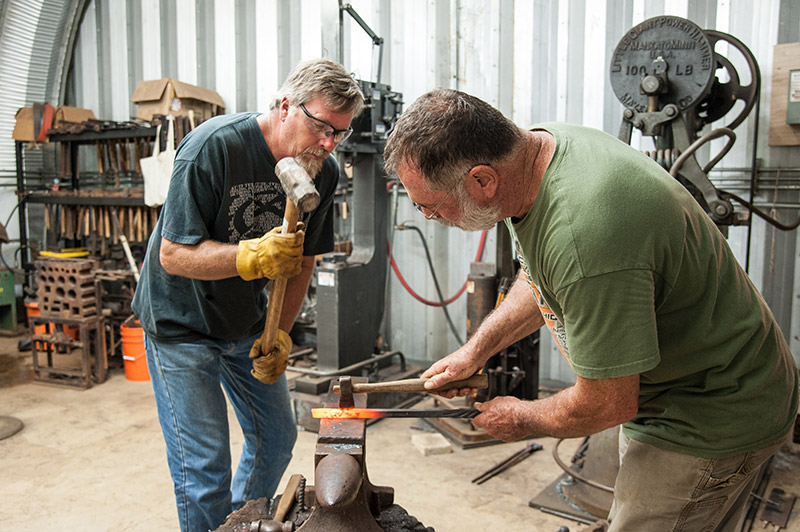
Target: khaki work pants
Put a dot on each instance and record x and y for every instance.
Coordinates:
(662, 491)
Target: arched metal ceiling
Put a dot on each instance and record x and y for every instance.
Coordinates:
(36, 42)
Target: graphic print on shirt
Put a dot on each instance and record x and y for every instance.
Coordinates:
(254, 209)
(553, 322)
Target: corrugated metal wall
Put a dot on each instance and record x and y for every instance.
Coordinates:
(535, 60)
(25, 47)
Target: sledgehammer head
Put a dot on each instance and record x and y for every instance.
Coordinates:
(297, 184)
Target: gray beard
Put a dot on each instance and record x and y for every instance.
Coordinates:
(310, 165)
(473, 217)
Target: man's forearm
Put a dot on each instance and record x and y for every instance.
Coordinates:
(515, 318)
(564, 415)
(591, 405)
(207, 261)
(296, 289)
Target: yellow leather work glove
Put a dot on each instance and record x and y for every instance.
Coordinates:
(274, 255)
(268, 368)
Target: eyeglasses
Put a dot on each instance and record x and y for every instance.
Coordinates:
(323, 128)
(433, 215)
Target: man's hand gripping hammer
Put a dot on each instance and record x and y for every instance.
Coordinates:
(270, 353)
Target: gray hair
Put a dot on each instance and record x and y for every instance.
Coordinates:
(446, 132)
(325, 78)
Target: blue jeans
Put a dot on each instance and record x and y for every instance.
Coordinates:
(186, 379)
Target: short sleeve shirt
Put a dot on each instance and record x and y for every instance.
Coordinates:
(632, 277)
(223, 188)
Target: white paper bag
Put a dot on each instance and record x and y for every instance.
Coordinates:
(157, 169)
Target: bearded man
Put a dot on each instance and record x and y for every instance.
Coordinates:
(201, 299)
(666, 333)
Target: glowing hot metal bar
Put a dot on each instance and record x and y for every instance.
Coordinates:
(377, 413)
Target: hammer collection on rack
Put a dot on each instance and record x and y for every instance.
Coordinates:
(75, 222)
(119, 156)
(116, 156)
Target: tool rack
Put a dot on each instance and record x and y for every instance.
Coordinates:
(80, 208)
(88, 191)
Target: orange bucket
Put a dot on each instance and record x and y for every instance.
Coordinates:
(72, 331)
(32, 310)
(133, 355)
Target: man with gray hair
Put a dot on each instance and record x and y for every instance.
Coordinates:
(666, 333)
(201, 299)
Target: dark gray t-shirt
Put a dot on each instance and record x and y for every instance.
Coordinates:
(223, 188)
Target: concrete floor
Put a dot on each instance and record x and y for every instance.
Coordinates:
(93, 460)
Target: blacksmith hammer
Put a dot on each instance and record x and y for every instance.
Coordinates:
(346, 388)
(301, 196)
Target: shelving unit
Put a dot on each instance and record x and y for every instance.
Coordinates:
(80, 202)
(79, 210)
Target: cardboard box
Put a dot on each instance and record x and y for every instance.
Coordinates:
(169, 96)
(24, 127)
(65, 115)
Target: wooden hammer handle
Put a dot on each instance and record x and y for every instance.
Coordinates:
(288, 497)
(417, 385)
(278, 290)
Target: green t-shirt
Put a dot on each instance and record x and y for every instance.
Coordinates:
(633, 277)
(223, 188)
